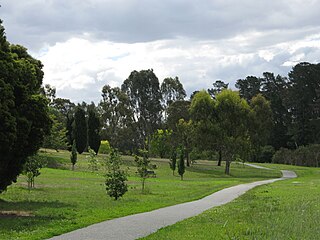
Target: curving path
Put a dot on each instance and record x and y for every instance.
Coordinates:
(142, 224)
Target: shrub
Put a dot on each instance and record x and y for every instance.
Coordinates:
(104, 147)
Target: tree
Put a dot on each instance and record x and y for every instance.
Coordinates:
(203, 115)
(176, 111)
(232, 119)
(181, 165)
(275, 90)
(69, 130)
(80, 129)
(32, 169)
(73, 154)
(93, 130)
(160, 142)
(184, 136)
(143, 91)
(172, 90)
(173, 160)
(218, 86)
(117, 119)
(304, 95)
(261, 123)
(143, 164)
(24, 118)
(249, 87)
(57, 138)
(115, 177)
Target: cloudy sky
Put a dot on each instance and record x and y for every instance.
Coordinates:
(85, 44)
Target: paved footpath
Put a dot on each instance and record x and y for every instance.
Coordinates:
(142, 224)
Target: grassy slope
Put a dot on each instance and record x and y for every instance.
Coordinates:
(65, 200)
(283, 210)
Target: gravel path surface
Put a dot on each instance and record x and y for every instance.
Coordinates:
(142, 224)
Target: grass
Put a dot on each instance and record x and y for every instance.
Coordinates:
(65, 200)
(287, 209)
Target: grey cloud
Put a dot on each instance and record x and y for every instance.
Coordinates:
(34, 22)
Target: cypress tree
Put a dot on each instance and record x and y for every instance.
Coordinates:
(80, 130)
(94, 139)
(181, 165)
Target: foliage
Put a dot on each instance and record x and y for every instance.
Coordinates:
(93, 162)
(261, 124)
(160, 143)
(24, 118)
(144, 95)
(115, 177)
(172, 90)
(93, 130)
(181, 165)
(104, 147)
(218, 86)
(57, 138)
(303, 156)
(143, 164)
(73, 154)
(232, 119)
(32, 169)
(117, 118)
(176, 111)
(266, 154)
(80, 129)
(173, 160)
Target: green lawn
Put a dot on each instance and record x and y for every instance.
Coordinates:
(287, 209)
(65, 200)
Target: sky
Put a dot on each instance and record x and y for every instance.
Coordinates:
(86, 44)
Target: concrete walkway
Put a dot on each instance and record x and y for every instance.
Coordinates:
(142, 224)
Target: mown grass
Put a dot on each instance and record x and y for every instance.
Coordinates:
(287, 209)
(65, 200)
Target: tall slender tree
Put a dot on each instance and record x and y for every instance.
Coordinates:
(80, 130)
(94, 139)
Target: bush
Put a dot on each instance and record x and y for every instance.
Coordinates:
(104, 147)
(266, 154)
(308, 156)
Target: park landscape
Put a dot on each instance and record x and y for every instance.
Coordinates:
(147, 145)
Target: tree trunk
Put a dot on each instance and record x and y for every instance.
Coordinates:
(220, 158)
(181, 177)
(72, 167)
(188, 160)
(227, 171)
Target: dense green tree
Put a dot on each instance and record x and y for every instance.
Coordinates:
(275, 90)
(184, 133)
(160, 142)
(206, 135)
(24, 118)
(249, 87)
(80, 129)
(94, 127)
(304, 94)
(176, 111)
(260, 125)
(143, 91)
(232, 120)
(69, 130)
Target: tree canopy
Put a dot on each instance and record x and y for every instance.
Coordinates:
(24, 118)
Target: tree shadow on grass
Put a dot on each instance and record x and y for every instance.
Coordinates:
(21, 216)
